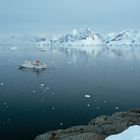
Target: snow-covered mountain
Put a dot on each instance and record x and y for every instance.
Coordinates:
(89, 37)
(126, 37)
(86, 37)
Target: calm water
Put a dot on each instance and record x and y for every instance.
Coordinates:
(34, 102)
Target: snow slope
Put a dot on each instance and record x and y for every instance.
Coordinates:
(132, 133)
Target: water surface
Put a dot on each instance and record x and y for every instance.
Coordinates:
(33, 102)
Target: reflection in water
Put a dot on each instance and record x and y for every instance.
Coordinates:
(36, 71)
(77, 86)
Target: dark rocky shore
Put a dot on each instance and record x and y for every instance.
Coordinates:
(97, 129)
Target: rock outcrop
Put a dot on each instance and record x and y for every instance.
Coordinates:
(97, 129)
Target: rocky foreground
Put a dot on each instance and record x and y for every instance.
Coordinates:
(97, 129)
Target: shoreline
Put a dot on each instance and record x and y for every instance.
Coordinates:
(97, 129)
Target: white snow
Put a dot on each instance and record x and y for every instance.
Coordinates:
(132, 133)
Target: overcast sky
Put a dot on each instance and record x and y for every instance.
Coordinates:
(51, 15)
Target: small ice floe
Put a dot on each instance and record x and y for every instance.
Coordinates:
(42, 85)
(116, 107)
(52, 93)
(5, 103)
(98, 107)
(87, 96)
(69, 62)
(1, 84)
(53, 108)
(104, 101)
(61, 123)
(88, 105)
(34, 91)
(14, 48)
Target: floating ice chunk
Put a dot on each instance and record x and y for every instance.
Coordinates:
(33, 91)
(1, 84)
(116, 107)
(69, 62)
(105, 101)
(87, 96)
(14, 48)
(98, 107)
(5, 103)
(42, 85)
(52, 93)
(53, 108)
(61, 123)
(88, 105)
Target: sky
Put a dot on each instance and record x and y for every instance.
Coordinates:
(59, 15)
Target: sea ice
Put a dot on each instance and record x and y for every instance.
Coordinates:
(5, 103)
(52, 93)
(1, 84)
(42, 85)
(87, 96)
(116, 107)
(13, 48)
(105, 101)
(53, 108)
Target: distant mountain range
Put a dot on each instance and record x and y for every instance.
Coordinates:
(89, 37)
(78, 37)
